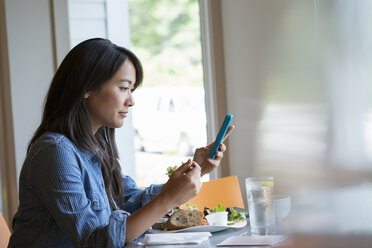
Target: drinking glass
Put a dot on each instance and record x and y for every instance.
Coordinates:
(260, 204)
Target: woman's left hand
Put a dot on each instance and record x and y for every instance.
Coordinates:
(206, 163)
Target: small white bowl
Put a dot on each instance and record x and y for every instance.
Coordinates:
(282, 206)
(217, 219)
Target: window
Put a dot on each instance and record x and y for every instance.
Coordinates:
(169, 115)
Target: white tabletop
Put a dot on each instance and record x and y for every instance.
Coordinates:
(295, 240)
(217, 237)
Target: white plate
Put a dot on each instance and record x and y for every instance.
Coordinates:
(202, 228)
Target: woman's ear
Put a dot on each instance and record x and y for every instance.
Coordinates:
(87, 95)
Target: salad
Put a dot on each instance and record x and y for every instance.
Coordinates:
(233, 216)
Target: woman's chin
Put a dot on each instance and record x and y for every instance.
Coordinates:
(119, 124)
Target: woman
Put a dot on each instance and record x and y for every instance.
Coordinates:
(71, 189)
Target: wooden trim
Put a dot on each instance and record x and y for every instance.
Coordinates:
(7, 146)
(214, 74)
(53, 32)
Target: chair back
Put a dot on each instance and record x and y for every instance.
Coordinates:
(224, 191)
(4, 232)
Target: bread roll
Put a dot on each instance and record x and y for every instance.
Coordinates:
(184, 218)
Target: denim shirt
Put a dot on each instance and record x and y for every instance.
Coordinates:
(63, 202)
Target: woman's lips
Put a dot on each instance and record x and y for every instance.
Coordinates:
(123, 114)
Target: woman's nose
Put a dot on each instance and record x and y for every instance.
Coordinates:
(130, 101)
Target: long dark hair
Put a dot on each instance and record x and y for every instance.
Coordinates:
(87, 67)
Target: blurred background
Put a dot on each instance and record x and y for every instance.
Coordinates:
(296, 75)
(303, 105)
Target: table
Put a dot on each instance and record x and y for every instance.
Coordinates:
(217, 238)
(295, 240)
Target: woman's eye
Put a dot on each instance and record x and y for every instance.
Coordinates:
(124, 88)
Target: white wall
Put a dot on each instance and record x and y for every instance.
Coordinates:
(87, 19)
(31, 67)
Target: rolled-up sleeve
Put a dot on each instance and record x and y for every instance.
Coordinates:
(58, 181)
(135, 198)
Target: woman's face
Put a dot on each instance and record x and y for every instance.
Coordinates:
(110, 105)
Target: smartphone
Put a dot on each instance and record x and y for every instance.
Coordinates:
(220, 135)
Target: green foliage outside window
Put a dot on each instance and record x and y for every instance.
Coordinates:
(165, 34)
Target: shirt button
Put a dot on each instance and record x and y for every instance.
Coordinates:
(95, 202)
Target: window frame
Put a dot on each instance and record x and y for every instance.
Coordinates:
(214, 75)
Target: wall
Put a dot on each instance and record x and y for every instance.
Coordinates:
(87, 19)
(9, 199)
(31, 66)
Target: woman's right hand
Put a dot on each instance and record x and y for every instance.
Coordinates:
(183, 184)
